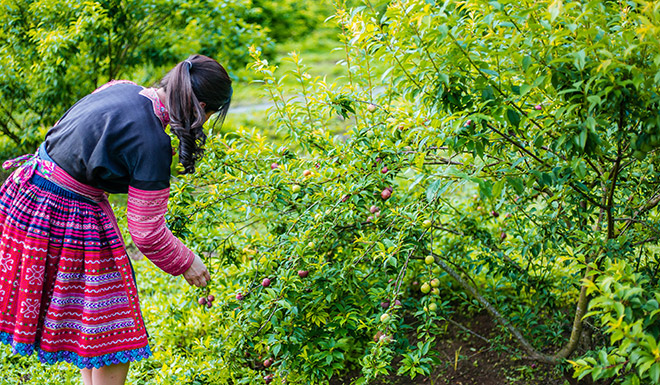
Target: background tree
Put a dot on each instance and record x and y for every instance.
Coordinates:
(55, 52)
(288, 19)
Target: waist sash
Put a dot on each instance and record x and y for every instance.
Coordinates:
(43, 165)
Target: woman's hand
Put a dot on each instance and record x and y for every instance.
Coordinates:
(197, 274)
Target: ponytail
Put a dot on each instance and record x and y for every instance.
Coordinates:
(195, 87)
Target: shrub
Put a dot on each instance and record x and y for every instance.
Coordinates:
(518, 140)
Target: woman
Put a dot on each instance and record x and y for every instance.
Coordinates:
(67, 288)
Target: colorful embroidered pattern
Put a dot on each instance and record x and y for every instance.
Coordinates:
(145, 213)
(29, 163)
(159, 108)
(66, 284)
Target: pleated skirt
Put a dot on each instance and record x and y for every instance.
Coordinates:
(67, 289)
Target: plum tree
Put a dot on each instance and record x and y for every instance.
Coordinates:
(464, 79)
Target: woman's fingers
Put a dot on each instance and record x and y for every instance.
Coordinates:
(197, 274)
(199, 281)
(203, 278)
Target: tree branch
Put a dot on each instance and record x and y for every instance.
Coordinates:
(576, 331)
(527, 347)
(4, 128)
(651, 203)
(610, 197)
(536, 158)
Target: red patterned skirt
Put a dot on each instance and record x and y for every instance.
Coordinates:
(67, 289)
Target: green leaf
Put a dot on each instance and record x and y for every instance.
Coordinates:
(418, 179)
(525, 88)
(555, 9)
(489, 72)
(436, 189)
(579, 59)
(485, 187)
(517, 183)
(497, 188)
(392, 261)
(443, 29)
(654, 373)
(527, 61)
(513, 117)
(582, 139)
(593, 99)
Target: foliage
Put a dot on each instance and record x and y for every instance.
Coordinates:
(626, 302)
(481, 155)
(55, 52)
(518, 140)
(288, 19)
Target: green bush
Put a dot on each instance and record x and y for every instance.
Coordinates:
(519, 144)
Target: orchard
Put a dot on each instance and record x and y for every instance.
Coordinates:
(480, 157)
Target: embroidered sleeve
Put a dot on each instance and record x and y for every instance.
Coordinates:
(146, 224)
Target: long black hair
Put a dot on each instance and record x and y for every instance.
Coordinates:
(195, 87)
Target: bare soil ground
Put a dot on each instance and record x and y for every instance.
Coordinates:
(468, 358)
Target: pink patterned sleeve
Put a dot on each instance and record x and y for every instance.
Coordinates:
(146, 224)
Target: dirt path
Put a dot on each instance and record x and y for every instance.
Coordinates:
(247, 108)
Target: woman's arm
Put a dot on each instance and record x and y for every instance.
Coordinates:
(146, 224)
